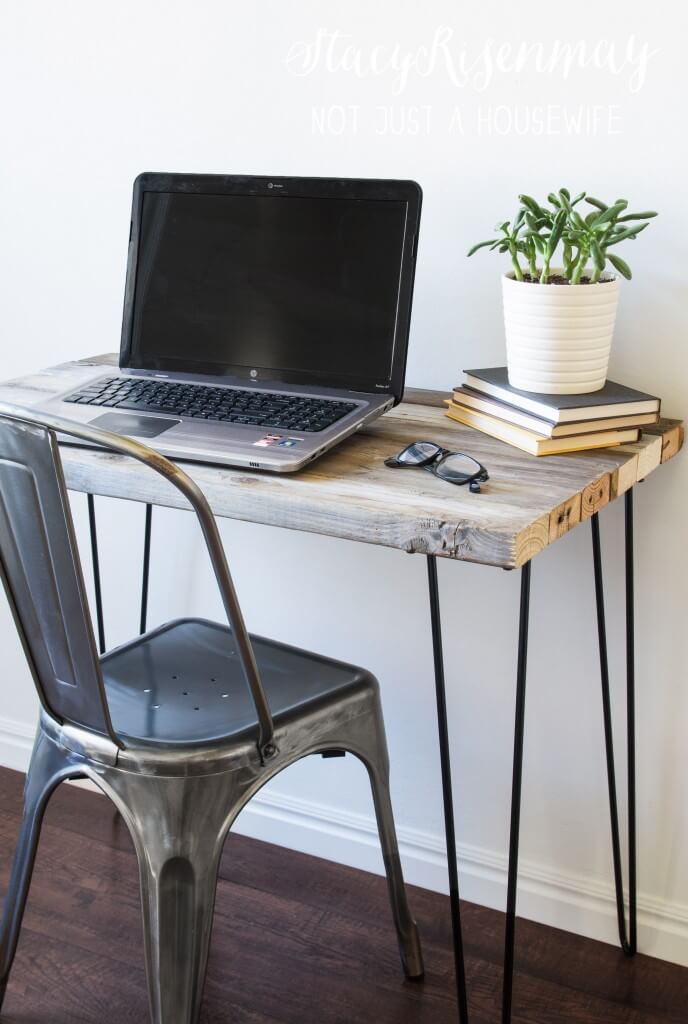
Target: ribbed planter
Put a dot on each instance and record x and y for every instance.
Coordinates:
(558, 336)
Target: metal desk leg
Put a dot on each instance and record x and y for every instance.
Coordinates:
(96, 570)
(517, 777)
(445, 762)
(146, 568)
(627, 938)
(96, 573)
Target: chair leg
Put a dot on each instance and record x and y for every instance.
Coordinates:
(45, 772)
(377, 762)
(407, 930)
(178, 826)
(178, 897)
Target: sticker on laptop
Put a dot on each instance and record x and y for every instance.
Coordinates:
(278, 439)
(268, 440)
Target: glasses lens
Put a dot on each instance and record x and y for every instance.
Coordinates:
(418, 453)
(458, 467)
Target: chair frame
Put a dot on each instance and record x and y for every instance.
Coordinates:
(180, 803)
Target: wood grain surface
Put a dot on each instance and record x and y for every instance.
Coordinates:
(349, 493)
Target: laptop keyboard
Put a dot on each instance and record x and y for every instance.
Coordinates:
(200, 401)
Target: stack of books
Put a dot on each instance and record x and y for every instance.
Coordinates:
(550, 424)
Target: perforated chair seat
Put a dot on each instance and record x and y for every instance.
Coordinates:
(183, 684)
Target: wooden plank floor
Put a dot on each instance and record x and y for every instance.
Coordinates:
(297, 940)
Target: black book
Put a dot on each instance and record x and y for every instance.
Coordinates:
(612, 400)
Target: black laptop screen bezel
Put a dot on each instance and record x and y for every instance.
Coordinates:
(408, 192)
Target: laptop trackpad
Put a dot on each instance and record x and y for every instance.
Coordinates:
(133, 425)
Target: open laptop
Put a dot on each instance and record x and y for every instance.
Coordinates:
(265, 319)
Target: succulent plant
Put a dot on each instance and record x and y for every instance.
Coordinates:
(585, 238)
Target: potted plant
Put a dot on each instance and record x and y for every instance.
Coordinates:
(559, 320)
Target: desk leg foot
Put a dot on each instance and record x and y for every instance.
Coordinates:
(516, 784)
(627, 936)
(445, 762)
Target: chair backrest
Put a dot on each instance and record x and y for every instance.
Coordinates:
(41, 569)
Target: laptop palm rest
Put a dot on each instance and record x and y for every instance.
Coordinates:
(133, 425)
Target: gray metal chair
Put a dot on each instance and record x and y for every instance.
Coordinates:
(180, 727)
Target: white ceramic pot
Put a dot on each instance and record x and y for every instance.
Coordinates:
(558, 337)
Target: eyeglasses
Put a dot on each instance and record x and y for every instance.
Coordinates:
(454, 467)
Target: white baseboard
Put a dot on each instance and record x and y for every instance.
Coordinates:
(576, 903)
(16, 741)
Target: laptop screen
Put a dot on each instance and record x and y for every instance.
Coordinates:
(268, 286)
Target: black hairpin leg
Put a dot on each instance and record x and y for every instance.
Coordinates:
(445, 762)
(627, 937)
(516, 785)
(146, 568)
(96, 573)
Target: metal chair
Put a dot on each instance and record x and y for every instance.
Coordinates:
(180, 727)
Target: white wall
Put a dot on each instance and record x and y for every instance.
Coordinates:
(94, 93)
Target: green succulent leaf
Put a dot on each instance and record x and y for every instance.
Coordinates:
(565, 199)
(611, 213)
(645, 215)
(596, 202)
(557, 232)
(533, 206)
(627, 233)
(620, 265)
(481, 245)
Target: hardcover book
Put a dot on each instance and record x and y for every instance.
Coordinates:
(613, 400)
(470, 399)
(533, 443)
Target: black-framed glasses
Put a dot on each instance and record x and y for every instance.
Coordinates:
(454, 467)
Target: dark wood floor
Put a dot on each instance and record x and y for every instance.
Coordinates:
(297, 941)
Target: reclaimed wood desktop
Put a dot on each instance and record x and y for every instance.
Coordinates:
(527, 504)
(349, 493)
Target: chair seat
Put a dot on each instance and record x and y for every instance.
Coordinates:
(183, 684)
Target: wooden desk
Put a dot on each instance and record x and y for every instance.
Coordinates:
(526, 505)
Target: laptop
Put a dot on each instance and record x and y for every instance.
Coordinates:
(265, 319)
